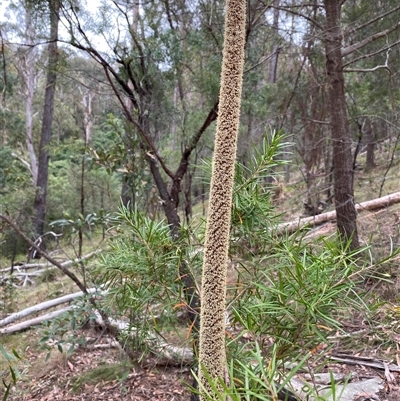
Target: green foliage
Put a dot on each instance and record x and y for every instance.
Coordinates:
(295, 294)
(285, 305)
(17, 202)
(12, 172)
(253, 378)
(101, 190)
(65, 331)
(289, 295)
(85, 224)
(141, 274)
(253, 213)
(250, 378)
(11, 359)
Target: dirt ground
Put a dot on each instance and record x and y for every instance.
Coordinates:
(88, 375)
(105, 374)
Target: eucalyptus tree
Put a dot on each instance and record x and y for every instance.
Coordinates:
(341, 139)
(342, 48)
(372, 74)
(27, 70)
(47, 119)
(166, 60)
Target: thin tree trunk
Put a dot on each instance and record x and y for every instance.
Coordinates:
(48, 111)
(28, 74)
(127, 192)
(371, 144)
(341, 140)
(273, 64)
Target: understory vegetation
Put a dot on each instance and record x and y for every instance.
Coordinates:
(113, 220)
(288, 295)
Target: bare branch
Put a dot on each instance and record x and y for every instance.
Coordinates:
(35, 321)
(388, 47)
(371, 21)
(128, 115)
(54, 262)
(357, 46)
(24, 162)
(378, 67)
(266, 58)
(291, 226)
(67, 263)
(299, 14)
(43, 306)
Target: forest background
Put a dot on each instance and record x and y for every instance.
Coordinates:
(113, 108)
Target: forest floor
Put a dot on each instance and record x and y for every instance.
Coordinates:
(105, 374)
(96, 375)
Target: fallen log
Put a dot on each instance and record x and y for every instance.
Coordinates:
(35, 321)
(43, 306)
(66, 263)
(167, 354)
(364, 361)
(25, 277)
(292, 226)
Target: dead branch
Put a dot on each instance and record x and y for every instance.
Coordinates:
(67, 263)
(386, 66)
(369, 55)
(371, 21)
(54, 262)
(167, 354)
(365, 361)
(374, 204)
(43, 306)
(359, 45)
(35, 321)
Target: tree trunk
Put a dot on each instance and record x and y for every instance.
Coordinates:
(370, 140)
(48, 111)
(27, 71)
(273, 63)
(341, 141)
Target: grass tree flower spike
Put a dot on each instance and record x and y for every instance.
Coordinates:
(212, 358)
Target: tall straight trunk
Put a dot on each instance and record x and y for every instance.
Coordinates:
(341, 140)
(273, 64)
(127, 190)
(29, 78)
(48, 111)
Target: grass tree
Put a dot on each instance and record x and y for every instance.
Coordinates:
(212, 357)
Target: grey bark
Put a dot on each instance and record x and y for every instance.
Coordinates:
(340, 134)
(273, 64)
(48, 111)
(371, 144)
(26, 70)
